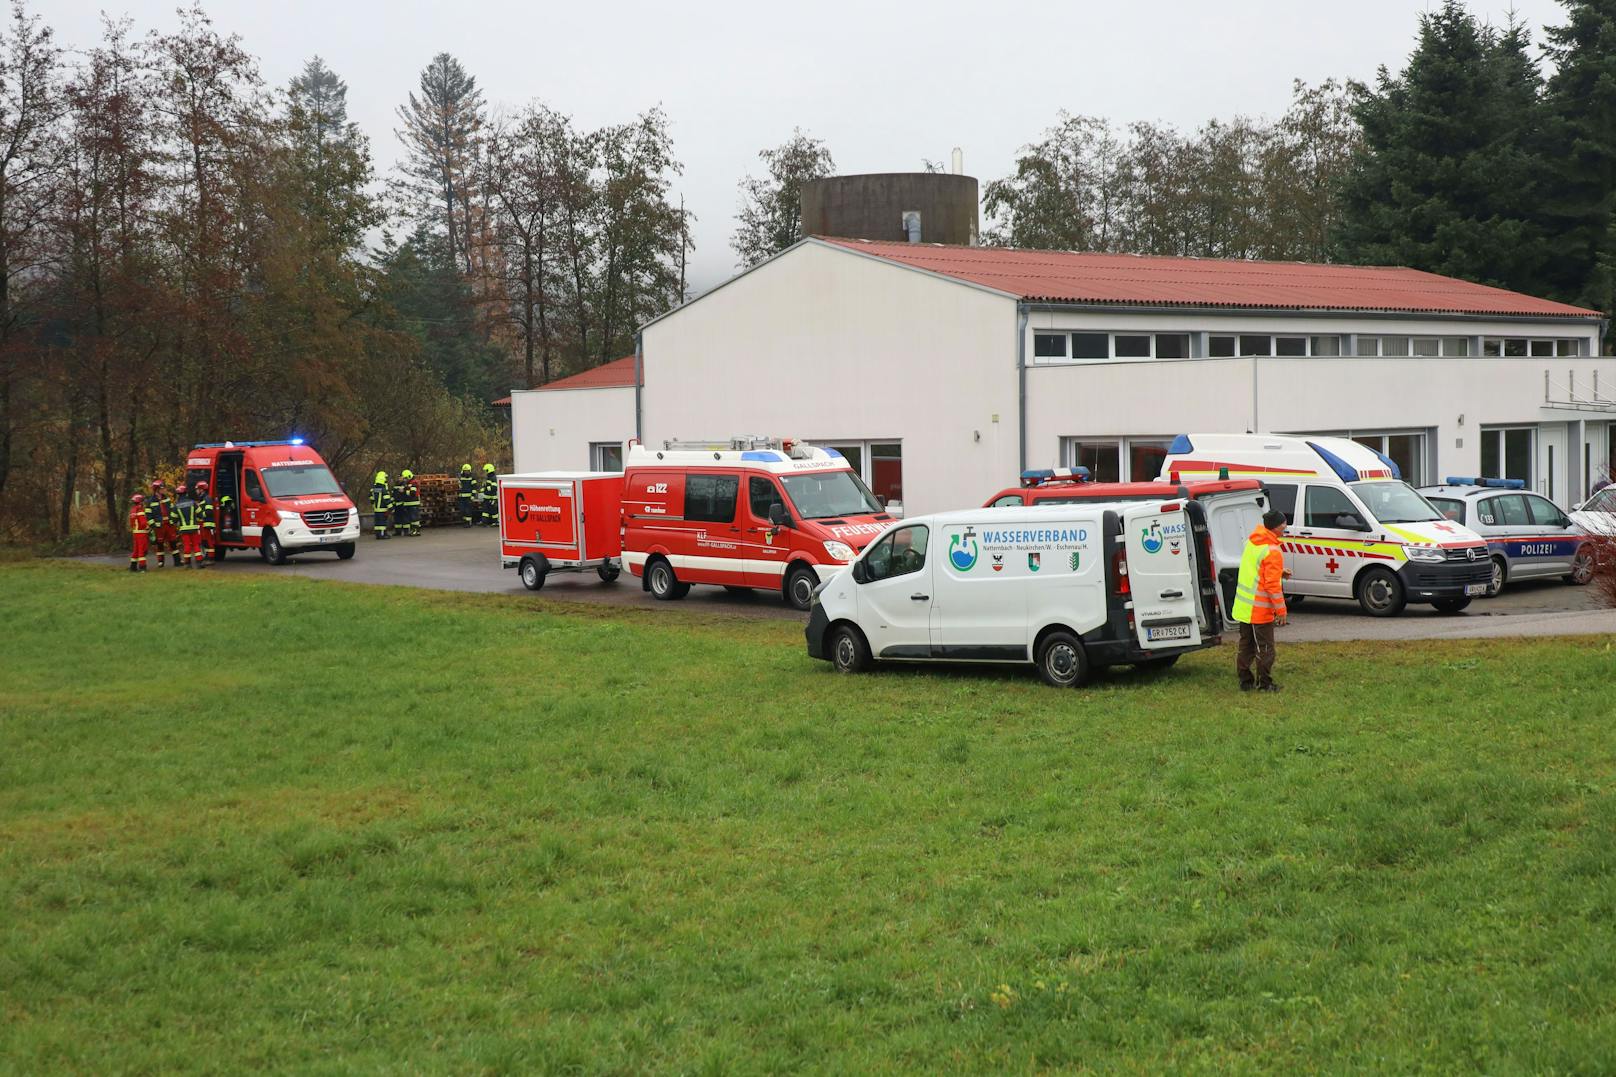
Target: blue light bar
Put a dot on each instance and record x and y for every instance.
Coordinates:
(1034, 476)
(244, 444)
(1500, 484)
(1391, 464)
(1346, 471)
(1180, 446)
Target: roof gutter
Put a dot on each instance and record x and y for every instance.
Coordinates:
(1301, 312)
(1021, 384)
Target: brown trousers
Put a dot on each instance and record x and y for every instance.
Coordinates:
(1256, 643)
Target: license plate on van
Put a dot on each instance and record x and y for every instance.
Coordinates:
(1178, 631)
(1475, 588)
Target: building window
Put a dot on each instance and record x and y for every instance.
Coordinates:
(1132, 347)
(1427, 346)
(1515, 347)
(1324, 345)
(1256, 345)
(1405, 449)
(1290, 345)
(1131, 459)
(1394, 345)
(878, 463)
(606, 456)
(1455, 345)
(1091, 346)
(1506, 453)
(1565, 347)
(1049, 345)
(1172, 345)
(1220, 347)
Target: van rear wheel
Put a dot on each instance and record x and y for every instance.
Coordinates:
(848, 651)
(664, 585)
(1061, 661)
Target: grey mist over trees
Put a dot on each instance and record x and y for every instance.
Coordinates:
(770, 215)
(1241, 188)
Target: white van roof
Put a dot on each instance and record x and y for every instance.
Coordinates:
(1275, 457)
(790, 458)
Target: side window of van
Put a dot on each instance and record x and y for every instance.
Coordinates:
(1510, 510)
(254, 490)
(1283, 498)
(762, 493)
(1007, 501)
(900, 553)
(1329, 507)
(711, 497)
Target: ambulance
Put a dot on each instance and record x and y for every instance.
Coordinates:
(1356, 529)
(286, 501)
(1066, 588)
(749, 513)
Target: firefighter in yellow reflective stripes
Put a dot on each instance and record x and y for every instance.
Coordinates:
(1259, 603)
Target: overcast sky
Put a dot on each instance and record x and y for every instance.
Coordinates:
(885, 85)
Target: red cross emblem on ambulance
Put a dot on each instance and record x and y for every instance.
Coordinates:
(1332, 564)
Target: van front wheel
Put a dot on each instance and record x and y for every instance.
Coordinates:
(848, 651)
(1380, 593)
(800, 584)
(1061, 661)
(272, 549)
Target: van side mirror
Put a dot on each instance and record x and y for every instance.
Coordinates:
(859, 575)
(777, 514)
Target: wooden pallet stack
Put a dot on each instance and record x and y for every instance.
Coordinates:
(439, 500)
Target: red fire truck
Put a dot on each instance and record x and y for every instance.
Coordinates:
(552, 521)
(282, 499)
(748, 513)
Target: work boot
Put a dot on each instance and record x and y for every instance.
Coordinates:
(1246, 686)
(132, 567)
(143, 566)
(1268, 686)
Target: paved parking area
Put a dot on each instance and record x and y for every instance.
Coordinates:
(460, 559)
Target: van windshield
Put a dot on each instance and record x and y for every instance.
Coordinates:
(300, 480)
(1395, 502)
(832, 493)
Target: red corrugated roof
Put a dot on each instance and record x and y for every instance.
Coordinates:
(610, 375)
(1147, 280)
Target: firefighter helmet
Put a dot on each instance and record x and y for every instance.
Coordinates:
(381, 477)
(137, 498)
(201, 487)
(179, 487)
(408, 474)
(157, 484)
(488, 469)
(465, 467)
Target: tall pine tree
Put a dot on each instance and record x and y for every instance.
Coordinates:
(1581, 100)
(441, 132)
(1448, 175)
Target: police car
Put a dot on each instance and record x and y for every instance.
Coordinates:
(1527, 536)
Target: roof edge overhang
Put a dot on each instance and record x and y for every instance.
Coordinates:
(1235, 311)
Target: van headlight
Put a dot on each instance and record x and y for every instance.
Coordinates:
(840, 550)
(1427, 554)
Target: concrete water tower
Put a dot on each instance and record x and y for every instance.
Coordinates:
(912, 207)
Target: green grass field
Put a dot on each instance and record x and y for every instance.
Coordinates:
(252, 822)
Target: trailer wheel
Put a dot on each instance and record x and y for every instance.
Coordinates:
(848, 651)
(345, 551)
(533, 573)
(664, 585)
(272, 549)
(799, 588)
(1061, 661)
(609, 572)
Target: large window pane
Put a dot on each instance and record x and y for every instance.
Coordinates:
(1132, 347)
(1326, 346)
(1427, 346)
(1145, 459)
(1518, 455)
(1515, 346)
(1256, 345)
(1049, 345)
(1172, 345)
(1290, 345)
(886, 471)
(1102, 458)
(1368, 345)
(1492, 460)
(1220, 347)
(855, 458)
(1542, 347)
(1407, 452)
(1492, 346)
(1565, 347)
(1394, 345)
(1455, 345)
(1091, 346)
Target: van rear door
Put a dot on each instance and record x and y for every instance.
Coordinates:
(1161, 573)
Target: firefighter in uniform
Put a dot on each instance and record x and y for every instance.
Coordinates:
(210, 524)
(1259, 603)
(137, 533)
(160, 513)
(490, 491)
(187, 516)
(381, 504)
(468, 489)
(409, 503)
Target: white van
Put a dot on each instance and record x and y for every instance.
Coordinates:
(1357, 530)
(1069, 588)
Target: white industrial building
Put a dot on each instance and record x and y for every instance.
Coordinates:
(943, 371)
